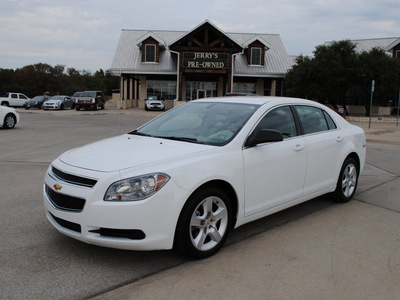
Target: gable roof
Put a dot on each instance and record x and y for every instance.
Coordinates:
(392, 45)
(127, 57)
(256, 38)
(150, 34)
(204, 25)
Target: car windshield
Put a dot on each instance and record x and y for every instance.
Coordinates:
(152, 98)
(38, 98)
(209, 123)
(56, 98)
(88, 94)
(77, 94)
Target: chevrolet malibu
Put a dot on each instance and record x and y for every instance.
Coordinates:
(185, 179)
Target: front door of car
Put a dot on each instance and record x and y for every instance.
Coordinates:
(274, 172)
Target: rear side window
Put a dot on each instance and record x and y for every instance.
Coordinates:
(329, 120)
(313, 119)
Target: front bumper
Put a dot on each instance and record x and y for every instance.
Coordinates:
(32, 105)
(51, 106)
(132, 225)
(85, 105)
(155, 106)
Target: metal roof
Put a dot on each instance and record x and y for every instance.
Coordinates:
(368, 44)
(127, 58)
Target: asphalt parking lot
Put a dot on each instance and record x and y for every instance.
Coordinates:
(314, 250)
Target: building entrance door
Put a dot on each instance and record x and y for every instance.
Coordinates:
(201, 94)
(199, 89)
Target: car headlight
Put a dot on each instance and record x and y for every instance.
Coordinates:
(136, 188)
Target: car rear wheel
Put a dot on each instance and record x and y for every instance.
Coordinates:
(78, 108)
(9, 121)
(347, 182)
(204, 223)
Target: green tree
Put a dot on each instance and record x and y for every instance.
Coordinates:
(328, 76)
(337, 74)
(36, 79)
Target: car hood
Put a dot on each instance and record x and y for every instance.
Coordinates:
(126, 151)
(33, 101)
(53, 101)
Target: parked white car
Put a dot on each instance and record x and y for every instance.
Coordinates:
(9, 117)
(59, 102)
(154, 103)
(13, 99)
(189, 176)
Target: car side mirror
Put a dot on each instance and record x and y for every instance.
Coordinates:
(264, 136)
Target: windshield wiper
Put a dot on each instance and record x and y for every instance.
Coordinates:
(135, 132)
(182, 139)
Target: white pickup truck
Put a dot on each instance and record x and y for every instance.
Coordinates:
(13, 99)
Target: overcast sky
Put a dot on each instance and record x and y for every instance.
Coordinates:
(83, 34)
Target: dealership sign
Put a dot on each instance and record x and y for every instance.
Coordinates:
(205, 60)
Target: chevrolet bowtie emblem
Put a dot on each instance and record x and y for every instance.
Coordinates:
(57, 187)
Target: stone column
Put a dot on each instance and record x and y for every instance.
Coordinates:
(273, 87)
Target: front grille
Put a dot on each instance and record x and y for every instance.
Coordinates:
(73, 179)
(67, 224)
(65, 202)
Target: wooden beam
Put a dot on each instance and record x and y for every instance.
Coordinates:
(216, 42)
(197, 42)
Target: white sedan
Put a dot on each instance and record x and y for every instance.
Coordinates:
(9, 117)
(189, 176)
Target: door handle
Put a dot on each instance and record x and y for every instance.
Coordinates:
(299, 147)
(339, 139)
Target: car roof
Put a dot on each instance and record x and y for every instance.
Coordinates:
(259, 100)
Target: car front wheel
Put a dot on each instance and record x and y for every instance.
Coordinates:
(204, 223)
(347, 182)
(9, 121)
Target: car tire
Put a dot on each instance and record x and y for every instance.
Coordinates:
(347, 182)
(62, 107)
(204, 223)
(5, 103)
(9, 121)
(77, 108)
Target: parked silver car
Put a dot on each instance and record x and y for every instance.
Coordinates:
(59, 102)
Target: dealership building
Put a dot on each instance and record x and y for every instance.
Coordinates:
(203, 62)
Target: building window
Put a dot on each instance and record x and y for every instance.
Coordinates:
(164, 89)
(256, 56)
(397, 53)
(245, 87)
(150, 53)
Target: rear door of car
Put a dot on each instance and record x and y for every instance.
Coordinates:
(274, 172)
(324, 142)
